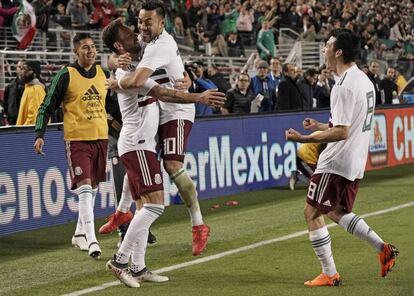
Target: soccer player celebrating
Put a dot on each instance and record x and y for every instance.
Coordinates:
(81, 88)
(341, 165)
(162, 56)
(137, 148)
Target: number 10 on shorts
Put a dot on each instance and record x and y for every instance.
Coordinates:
(170, 146)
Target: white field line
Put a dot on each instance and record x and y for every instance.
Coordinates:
(234, 251)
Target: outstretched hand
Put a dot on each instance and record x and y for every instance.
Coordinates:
(212, 98)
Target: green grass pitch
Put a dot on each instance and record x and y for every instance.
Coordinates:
(42, 262)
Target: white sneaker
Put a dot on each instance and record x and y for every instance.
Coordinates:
(149, 276)
(122, 273)
(79, 241)
(292, 180)
(95, 251)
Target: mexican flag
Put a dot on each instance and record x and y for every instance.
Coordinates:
(24, 24)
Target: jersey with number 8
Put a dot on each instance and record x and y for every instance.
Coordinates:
(352, 105)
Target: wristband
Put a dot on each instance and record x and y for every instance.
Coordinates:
(119, 84)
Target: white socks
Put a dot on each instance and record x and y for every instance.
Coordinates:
(79, 227)
(135, 240)
(94, 193)
(356, 225)
(321, 243)
(126, 197)
(85, 194)
(188, 194)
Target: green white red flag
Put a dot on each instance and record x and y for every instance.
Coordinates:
(24, 24)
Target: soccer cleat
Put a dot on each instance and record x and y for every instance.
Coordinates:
(325, 280)
(94, 250)
(200, 237)
(148, 276)
(152, 240)
(387, 258)
(122, 273)
(79, 241)
(114, 221)
(292, 180)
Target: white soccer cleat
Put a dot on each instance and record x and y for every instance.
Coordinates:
(79, 241)
(122, 273)
(148, 276)
(95, 251)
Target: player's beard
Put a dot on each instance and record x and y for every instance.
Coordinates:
(134, 49)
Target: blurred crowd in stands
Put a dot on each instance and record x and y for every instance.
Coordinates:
(386, 26)
(273, 87)
(228, 28)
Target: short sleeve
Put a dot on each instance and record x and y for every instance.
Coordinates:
(342, 106)
(154, 57)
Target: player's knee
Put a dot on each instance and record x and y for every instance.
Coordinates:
(336, 215)
(172, 166)
(310, 213)
(306, 215)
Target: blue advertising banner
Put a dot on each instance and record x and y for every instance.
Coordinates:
(35, 190)
(241, 154)
(225, 156)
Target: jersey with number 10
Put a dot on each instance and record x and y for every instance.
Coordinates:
(352, 105)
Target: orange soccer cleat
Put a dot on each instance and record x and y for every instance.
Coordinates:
(387, 258)
(200, 237)
(325, 280)
(114, 221)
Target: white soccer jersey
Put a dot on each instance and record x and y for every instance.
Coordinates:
(140, 117)
(352, 104)
(162, 56)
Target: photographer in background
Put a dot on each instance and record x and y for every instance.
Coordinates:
(200, 83)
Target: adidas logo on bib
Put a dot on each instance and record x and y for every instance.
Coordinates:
(91, 94)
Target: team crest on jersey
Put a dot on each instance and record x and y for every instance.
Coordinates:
(157, 179)
(78, 171)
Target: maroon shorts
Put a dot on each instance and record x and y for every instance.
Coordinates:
(87, 160)
(144, 172)
(327, 192)
(173, 136)
(306, 169)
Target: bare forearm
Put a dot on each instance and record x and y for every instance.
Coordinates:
(322, 126)
(174, 96)
(334, 134)
(129, 82)
(136, 80)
